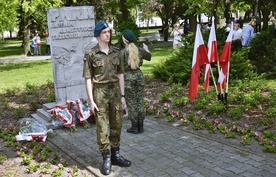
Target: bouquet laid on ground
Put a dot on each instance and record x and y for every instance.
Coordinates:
(73, 111)
(30, 129)
(82, 112)
(64, 114)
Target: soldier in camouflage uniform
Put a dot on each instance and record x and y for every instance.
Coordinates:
(134, 81)
(104, 69)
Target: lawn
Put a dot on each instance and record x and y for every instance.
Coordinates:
(17, 75)
(158, 55)
(9, 48)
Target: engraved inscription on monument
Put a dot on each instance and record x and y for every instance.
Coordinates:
(71, 32)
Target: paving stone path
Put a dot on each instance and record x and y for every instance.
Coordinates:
(165, 151)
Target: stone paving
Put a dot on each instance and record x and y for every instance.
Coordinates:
(165, 151)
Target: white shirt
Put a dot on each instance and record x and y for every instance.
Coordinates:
(237, 34)
(48, 40)
(177, 38)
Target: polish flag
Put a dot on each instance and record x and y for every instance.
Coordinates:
(212, 56)
(199, 58)
(224, 60)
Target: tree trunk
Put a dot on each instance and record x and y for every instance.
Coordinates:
(124, 10)
(192, 23)
(215, 8)
(227, 12)
(26, 35)
(166, 29)
(265, 20)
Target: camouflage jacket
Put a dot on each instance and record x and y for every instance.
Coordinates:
(102, 68)
(142, 55)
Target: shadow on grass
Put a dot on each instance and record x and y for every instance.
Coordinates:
(14, 66)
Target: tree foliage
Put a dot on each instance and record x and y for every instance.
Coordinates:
(262, 52)
(8, 15)
(31, 14)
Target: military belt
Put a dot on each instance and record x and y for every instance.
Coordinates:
(107, 85)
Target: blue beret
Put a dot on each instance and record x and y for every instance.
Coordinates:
(99, 27)
(129, 35)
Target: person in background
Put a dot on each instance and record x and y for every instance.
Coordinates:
(177, 36)
(205, 27)
(48, 49)
(38, 44)
(258, 23)
(248, 33)
(240, 21)
(227, 29)
(237, 32)
(186, 27)
(33, 45)
(134, 80)
(103, 67)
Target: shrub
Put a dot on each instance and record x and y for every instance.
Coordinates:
(177, 68)
(262, 52)
(240, 67)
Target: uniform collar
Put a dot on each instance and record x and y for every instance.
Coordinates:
(98, 50)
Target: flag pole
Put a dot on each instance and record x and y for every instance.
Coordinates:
(220, 84)
(214, 79)
(227, 77)
(227, 82)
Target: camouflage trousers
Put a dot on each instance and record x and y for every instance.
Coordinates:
(109, 117)
(134, 94)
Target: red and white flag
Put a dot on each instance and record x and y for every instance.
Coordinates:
(212, 56)
(199, 58)
(225, 59)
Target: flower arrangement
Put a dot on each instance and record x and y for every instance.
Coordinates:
(74, 110)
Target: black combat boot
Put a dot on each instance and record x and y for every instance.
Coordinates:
(134, 128)
(106, 167)
(141, 126)
(117, 159)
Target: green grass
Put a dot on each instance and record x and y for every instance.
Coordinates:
(158, 55)
(9, 48)
(149, 31)
(17, 75)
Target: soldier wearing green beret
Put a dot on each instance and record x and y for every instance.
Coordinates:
(134, 81)
(104, 69)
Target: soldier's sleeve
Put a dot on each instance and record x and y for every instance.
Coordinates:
(87, 70)
(144, 54)
(121, 68)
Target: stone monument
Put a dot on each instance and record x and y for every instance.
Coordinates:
(71, 34)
